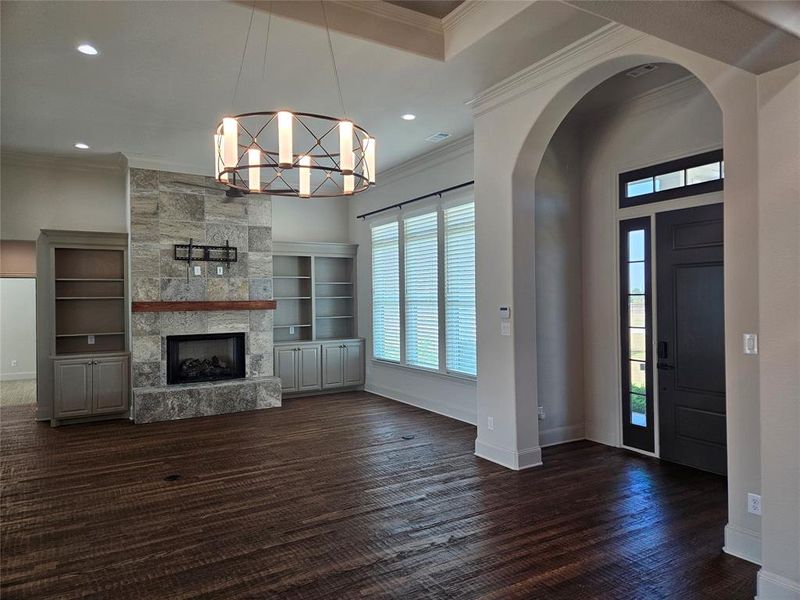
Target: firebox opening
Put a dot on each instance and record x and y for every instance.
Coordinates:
(205, 357)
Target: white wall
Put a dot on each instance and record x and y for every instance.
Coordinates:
(559, 302)
(779, 335)
(17, 328)
(310, 220)
(451, 165)
(65, 195)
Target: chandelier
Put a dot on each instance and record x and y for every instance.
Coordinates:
(287, 153)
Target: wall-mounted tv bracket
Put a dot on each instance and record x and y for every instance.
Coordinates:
(197, 252)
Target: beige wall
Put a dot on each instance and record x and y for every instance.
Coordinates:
(64, 195)
(779, 329)
(310, 220)
(559, 296)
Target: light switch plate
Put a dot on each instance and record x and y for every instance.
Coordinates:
(291, 330)
(220, 270)
(197, 270)
(90, 339)
(505, 327)
(750, 343)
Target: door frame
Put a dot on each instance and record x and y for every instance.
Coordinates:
(624, 214)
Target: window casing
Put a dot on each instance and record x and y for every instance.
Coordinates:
(434, 251)
(698, 174)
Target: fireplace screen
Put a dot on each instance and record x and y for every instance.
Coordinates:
(205, 357)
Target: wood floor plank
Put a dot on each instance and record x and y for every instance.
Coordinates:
(322, 498)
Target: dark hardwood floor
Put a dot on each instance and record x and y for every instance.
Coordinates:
(324, 499)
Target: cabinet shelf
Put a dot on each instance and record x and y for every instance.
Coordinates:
(86, 279)
(334, 297)
(291, 277)
(90, 297)
(288, 326)
(336, 317)
(67, 335)
(334, 283)
(292, 297)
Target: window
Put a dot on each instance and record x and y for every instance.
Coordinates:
(423, 268)
(386, 292)
(421, 261)
(698, 174)
(637, 393)
(459, 282)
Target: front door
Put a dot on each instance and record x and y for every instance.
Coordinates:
(690, 350)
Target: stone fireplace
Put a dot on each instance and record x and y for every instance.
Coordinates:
(173, 208)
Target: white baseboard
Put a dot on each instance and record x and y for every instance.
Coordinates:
(453, 412)
(775, 587)
(743, 543)
(511, 459)
(17, 376)
(561, 435)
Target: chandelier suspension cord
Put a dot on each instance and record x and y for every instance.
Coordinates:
(266, 44)
(333, 58)
(244, 53)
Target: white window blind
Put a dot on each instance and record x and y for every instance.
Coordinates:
(386, 292)
(422, 290)
(459, 244)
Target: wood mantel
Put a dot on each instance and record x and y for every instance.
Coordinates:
(203, 305)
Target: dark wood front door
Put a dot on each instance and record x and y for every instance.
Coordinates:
(691, 345)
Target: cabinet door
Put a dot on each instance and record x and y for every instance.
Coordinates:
(308, 375)
(353, 364)
(73, 388)
(110, 385)
(332, 365)
(286, 368)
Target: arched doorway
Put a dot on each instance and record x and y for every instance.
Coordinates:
(514, 124)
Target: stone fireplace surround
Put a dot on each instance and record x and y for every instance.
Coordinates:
(169, 208)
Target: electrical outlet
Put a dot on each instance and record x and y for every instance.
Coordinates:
(291, 330)
(90, 339)
(13, 363)
(541, 413)
(220, 270)
(754, 504)
(750, 343)
(198, 270)
(490, 423)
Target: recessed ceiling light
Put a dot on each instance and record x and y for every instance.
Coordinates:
(87, 49)
(81, 146)
(409, 117)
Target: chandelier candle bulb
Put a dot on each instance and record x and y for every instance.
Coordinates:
(254, 174)
(369, 158)
(349, 183)
(346, 147)
(218, 165)
(230, 143)
(305, 176)
(285, 156)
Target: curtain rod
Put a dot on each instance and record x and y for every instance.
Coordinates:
(402, 204)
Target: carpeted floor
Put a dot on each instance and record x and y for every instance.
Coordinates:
(18, 392)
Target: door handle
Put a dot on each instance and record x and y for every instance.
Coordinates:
(664, 366)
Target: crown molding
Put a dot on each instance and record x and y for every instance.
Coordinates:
(457, 16)
(451, 151)
(601, 42)
(156, 164)
(395, 13)
(90, 162)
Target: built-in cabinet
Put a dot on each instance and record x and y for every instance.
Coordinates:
(82, 325)
(313, 366)
(90, 386)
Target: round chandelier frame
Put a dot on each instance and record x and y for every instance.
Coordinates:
(337, 156)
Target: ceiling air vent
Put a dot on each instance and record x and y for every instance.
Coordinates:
(641, 70)
(437, 137)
